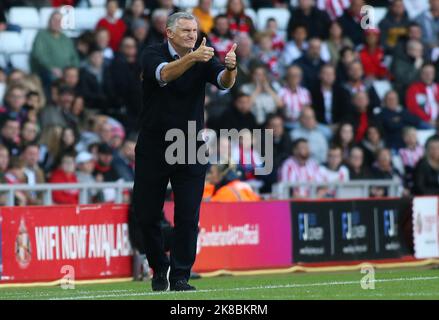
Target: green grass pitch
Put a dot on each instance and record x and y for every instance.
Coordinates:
(389, 284)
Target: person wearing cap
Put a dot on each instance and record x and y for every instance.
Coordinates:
(372, 56)
(85, 166)
(174, 76)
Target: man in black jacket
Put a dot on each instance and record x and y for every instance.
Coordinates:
(427, 170)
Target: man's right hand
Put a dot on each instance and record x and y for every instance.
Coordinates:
(203, 53)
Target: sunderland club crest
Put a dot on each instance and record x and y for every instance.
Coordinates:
(22, 246)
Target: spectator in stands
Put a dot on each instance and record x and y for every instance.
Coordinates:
(70, 78)
(34, 174)
(427, 170)
(10, 135)
(15, 101)
(104, 169)
(83, 43)
(277, 38)
(65, 173)
(157, 34)
(102, 40)
(334, 170)
(296, 45)
(203, 15)
(350, 22)
(372, 56)
(347, 56)
(85, 166)
(140, 34)
(29, 133)
(371, 144)
(308, 129)
(429, 22)
(59, 114)
(94, 78)
(135, 12)
(239, 115)
(245, 57)
(357, 169)
(282, 146)
(15, 175)
(294, 96)
(361, 115)
(125, 87)
(383, 169)
(4, 162)
(394, 118)
(52, 51)
(228, 187)
(239, 22)
(49, 147)
(316, 21)
(4, 25)
(335, 43)
(344, 137)
(115, 26)
(394, 25)
(262, 93)
(356, 83)
(266, 54)
(410, 154)
(220, 37)
(300, 167)
(327, 97)
(68, 141)
(310, 63)
(406, 67)
(167, 5)
(123, 160)
(414, 32)
(422, 97)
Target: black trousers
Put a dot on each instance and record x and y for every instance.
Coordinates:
(152, 175)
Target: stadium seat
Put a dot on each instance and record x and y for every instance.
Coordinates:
(220, 4)
(282, 17)
(423, 135)
(184, 4)
(25, 17)
(20, 61)
(381, 87)
(45, 14)
(11, 42)
(88, 18)
(379, 14)
(98, 3)
(28, 36)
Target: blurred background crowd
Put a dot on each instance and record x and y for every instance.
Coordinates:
(345, 102)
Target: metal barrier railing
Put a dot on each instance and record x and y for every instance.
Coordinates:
(357, 189)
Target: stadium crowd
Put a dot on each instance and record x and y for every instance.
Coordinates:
(74, 117)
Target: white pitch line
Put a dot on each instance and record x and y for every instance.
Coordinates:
(286, 286)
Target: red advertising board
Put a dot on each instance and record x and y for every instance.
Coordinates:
(244, 235)
(40, 243)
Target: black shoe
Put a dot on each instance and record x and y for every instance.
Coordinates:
(182, 285)
(160, 281)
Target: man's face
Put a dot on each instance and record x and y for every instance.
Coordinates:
(328, 75)
(294, 76)
(392, 100)
(427, 75)
(361, 101)
(105, 159)
(112, 7)
(71, 77)
(31, 156)
(356, 158)
(302, 151)
(335, 157)
(184, 34)
(308, 119)
(243, 104)
(355, 71)
(29, 131)
(278, 127)
(105, 133)
(97, 59)
(55, 23)
(11, 130)
(222, 25)
(129, 49)
(397, 8)
(314, 48)
(66, 100)
(16, 99)
(433, 150)
(415, 33)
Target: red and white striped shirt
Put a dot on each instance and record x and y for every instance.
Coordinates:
(294, 101)
(410, 157)
(334, 8)
(292, 171)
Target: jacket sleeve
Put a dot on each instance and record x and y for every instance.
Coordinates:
(412, 106)
(151, 59)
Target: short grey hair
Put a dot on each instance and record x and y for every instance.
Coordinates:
(174, 18)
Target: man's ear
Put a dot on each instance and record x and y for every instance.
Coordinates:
(169, 33)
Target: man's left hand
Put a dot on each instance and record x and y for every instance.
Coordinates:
(230, 60)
